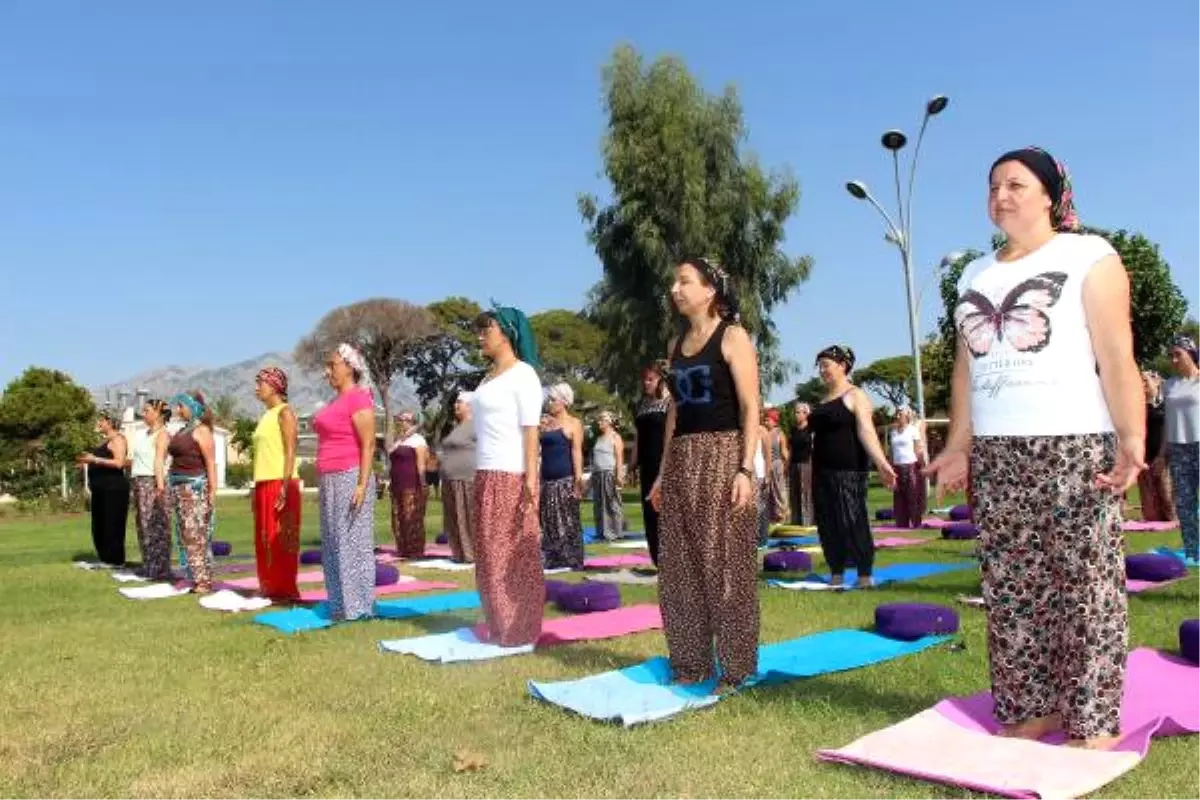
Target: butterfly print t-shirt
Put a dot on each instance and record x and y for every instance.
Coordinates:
(1033, 370)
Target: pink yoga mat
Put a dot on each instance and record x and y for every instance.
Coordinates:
(604, 562)
(431, 551)
(953, 742)
(311, 576)
(404, 587)
(598, 625)
(934, 523)
(1140, 525)
(1135, 586)
(899, 541)
(898, 529)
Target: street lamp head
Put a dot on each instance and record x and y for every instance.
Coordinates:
(937, 104)
(857, 189)
(893, 140)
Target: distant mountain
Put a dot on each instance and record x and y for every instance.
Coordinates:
(307, 391)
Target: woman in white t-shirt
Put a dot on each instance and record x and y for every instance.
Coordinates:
(908, 455)
(1047, 405)
(507, 408)
(409, 457)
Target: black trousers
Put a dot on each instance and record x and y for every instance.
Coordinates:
(110, 511)
(840, 503)
(646, 478)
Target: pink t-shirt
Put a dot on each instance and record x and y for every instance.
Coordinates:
(337, 443)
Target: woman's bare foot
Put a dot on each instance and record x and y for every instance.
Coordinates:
(1034, 728)
(865, 583)
(835, 580)
(1097, 743)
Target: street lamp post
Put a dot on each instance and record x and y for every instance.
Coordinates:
(900, 234)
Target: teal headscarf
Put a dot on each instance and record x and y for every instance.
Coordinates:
(516, 327)
(191, 404)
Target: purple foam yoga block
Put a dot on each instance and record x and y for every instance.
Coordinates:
(221, 548)
(787, 561)
(960, 513)
(582, 598)
(885, 514)
(1154, 567)
(911, 621)
(310, 557)
(442, 538)
(555, 588)
(1189, 640)
(960, 530)
(386, 575)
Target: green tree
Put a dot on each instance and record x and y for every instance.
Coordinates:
(811, 391)
(243, 435)
(46, 420)
(890, 378)
(681, 186)
(940, 369)
(569, 344)
(224, 411)
(384, 330)
(446, 361)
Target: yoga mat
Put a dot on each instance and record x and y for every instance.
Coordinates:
(228, 600)
(431, 550)
(936, 524)
(624, 576)
(952, 743)
(155, 591)
(644, 692)
(892, 573)
(898, 529)
(636, 544)
(125, 576)
(295, 620)
(604, 562)
(408, 586)
(777, 530)
(1141, 525)
(899, 541)
(1136, 586)
(444, 564)
(1177, 553)
(94, 565)
(468, 644)
(310, 576)
(793, 541)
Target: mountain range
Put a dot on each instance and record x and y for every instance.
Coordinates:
(307, 391)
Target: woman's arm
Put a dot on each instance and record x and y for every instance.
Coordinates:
(619, 448)
(289, 427)
(204, 440)
(785, 449)
(862, 408)
(120, 449)
(739, 353)
(160, 460)
(364, 428)
(1106, 307)
(669, 431)
(575, 433)
(422, 463)
(764, 447)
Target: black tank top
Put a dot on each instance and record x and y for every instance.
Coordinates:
(702, 385)
(101, 476)
(836, 447)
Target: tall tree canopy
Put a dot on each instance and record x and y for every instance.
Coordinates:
(445, 362)
(570, 345)
(890, 378)
(682, 187)
(46, 420)
(383, 329)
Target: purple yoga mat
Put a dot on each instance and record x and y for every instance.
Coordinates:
(1162, 698)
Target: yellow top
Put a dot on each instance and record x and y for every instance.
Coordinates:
(268, 447)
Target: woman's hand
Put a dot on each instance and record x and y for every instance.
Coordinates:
(1130, 462)
(360, 492)
(742, 493)
(887, 474)
(280, 501)
(950, 470)
(530, 491)
(654, 496)
(578, 487)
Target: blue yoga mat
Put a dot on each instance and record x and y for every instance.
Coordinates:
(294, 620)
(892, 573)
(795, 541)
(643, 693)
(1177, 553)
(591, 536)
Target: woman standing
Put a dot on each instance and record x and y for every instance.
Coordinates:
(708, 555)
(193, 482)
(800, 448)
(777, 478)
(507, 407)
(1182, 401)
(561, 440)
(433, 475)
(409, 457)
(844, 445)
(109, 489)
(608, 473)
(908, 457)
(458, 482)
(148, 466)
(1039, 388)
(650, 423)
(345, 454)
(276, 489)
(1154, 486)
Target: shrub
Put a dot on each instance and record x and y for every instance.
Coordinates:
(239, 476)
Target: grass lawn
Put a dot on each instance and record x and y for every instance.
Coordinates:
(103, 696)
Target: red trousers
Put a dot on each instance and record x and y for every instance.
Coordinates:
(277, 539)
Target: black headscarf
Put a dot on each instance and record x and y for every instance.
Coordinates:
(841, 353)
(1054, 179)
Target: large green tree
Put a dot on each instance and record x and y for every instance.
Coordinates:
(46, 420)
(681, 186)
(890, 378)
(570, 345)
(811, 391)
(445, 362)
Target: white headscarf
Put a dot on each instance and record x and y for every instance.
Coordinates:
(562, 392)
(354, 361)
(465, 397)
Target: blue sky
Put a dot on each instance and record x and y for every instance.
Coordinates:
(198, 183)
